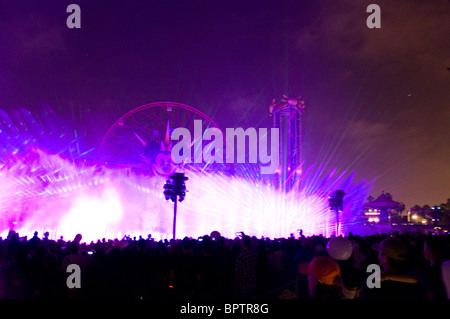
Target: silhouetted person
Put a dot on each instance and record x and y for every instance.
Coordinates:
(183, 270)
(74, 257)
(207, 272)
(34, 241)
(245, 277)
(324, 278)
(16, 276)
(396, 283)
(51, 283)
(435, 252)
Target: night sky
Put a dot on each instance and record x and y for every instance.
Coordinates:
(377, 100)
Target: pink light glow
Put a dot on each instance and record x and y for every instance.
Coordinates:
(94, 214)
(52, 194)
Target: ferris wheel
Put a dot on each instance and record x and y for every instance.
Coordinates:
(140, 139)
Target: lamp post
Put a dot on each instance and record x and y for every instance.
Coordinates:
(175, 190)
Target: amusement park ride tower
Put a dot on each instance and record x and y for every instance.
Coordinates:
(287, 118)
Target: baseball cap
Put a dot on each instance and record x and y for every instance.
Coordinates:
(323, 268)
(393, 248)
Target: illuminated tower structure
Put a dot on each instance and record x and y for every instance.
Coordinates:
(287, 118)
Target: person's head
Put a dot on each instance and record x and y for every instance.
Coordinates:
(392, 254)
(20, 253)
(50, 261)
(327, 276)
(434, 249)
(78, 238)
(142, 244)
(246, 242)
(74, 247)
(207, 247)
(11, 234)
(186, 245)
(323, 268)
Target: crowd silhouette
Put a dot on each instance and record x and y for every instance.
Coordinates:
(413, 265)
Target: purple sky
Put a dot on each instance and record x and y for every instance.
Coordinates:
(377, 100)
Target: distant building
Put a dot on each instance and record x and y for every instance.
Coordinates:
(383, 210)
(435, 215)
(418, 215)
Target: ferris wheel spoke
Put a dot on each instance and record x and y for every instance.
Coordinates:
(133, 128)
(150, 120)
(143, 142)
(120, 149)
(122, 152)
(141, 126)
(189, 120)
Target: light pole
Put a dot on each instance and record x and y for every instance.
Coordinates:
(175, 190)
